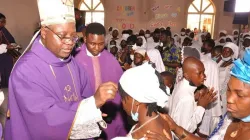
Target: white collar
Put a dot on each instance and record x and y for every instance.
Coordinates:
(90, 55)
(189, 88)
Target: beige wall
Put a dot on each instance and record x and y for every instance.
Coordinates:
(144, 17)
(22, 16)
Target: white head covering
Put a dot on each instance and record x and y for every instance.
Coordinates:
(230, 37)
(234, 48)
(244, 34)
(115, 29)
(141, 51)
(155, 57)
(235, 30)
(56, 11)
(125, 36)
(142, 84)
(223, 31)
(247, 38)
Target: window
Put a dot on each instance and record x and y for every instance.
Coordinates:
(94, 11)
(201, 15)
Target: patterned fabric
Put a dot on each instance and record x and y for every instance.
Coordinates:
(171, 55)
(220, 130)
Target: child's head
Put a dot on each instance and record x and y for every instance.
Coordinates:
(169, 79)
(199, 91)
(114, 50)
(112, 42)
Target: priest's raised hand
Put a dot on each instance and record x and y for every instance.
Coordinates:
(105, 92)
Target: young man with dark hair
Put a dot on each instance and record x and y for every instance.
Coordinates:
(102, 66)
(207, 47)
(170, 53)
(154, 41)
(216, 53)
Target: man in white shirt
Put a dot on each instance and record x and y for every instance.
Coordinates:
(154, 41)
(212, 80)
(182, 107)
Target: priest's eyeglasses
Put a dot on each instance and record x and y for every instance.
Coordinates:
(65, 40)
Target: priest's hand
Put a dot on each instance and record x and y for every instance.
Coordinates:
(105, 92)
(206, 98)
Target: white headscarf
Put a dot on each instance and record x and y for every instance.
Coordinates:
(218, 42)
(234, 48)
(230, 37)
(223, 31)
(235, 30)
(124, 37)
(141, 51)
(142, 84)
(247, 38)
(155, 57)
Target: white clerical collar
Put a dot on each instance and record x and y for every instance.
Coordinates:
(90, 55)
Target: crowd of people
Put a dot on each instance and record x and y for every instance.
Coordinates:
(115, 85)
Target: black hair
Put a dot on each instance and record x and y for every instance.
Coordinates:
(200, 88)
(76, 9)
(167, 33)
(168, 74)
(157, 31)
(110, 28)
(132, 38)
(2, 16)
(112, 41)
(95, 28)
(152, 107)
(183, 29)
(125, 32)
(210, 43)
(130, 32)
(218, 48)
(187, 39)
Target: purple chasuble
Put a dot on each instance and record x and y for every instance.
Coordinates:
(44, 94)
(111, 71)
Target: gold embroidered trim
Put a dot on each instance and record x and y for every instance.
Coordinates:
(73, 121)
(52, 71)
(76, 96)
